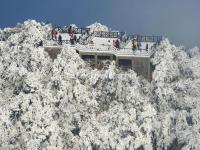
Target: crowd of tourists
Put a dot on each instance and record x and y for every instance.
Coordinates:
(55, 35)
(137, 44)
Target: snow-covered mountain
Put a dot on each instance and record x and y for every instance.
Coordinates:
(65, 104)
(97, 27)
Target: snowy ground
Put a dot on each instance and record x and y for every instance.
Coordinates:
(105, 45)
(66, 105)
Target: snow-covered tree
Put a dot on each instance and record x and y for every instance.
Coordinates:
(65, 104)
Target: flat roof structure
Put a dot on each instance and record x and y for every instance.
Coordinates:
(137, 60)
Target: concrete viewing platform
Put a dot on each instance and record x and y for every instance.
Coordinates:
(137, 60)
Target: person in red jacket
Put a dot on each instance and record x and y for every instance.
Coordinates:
(114, 44)
(54, 34)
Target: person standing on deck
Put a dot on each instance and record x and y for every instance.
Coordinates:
(114, 43)
(135, 44)
(117, 44)
(147, 47)
(60, 40)
(70, 30)
(75, 38)
(73, 31)
(55, 34)
(52, 34)
(72, 39)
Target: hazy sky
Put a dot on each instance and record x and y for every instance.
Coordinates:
(179, 20)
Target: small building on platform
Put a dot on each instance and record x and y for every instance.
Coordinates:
(138, 61)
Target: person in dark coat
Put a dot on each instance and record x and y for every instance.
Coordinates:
(56, 34)
(117, 44)
(78, 40)
(72, 39)
(147, 47)
(52, 34)
(75, 38)
(70, 29)
(87, 32)
(60, 39)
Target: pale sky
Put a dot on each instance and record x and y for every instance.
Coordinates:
(179, 20)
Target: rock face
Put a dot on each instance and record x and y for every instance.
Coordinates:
(67, 105)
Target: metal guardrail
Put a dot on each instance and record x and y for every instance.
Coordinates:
(116, 52)
(63, 41)
(143, 38)
(77, 30)
(68, 42)
(103, 34)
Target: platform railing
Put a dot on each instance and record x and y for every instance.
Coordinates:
(104, 34)
(144, 38)
(76, 30)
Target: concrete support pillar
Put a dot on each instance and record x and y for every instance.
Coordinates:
(96, 60)
(117, 61)
(149, 71)
(111, 57)
(132, 64)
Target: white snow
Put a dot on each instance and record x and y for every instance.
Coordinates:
(97, 27)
